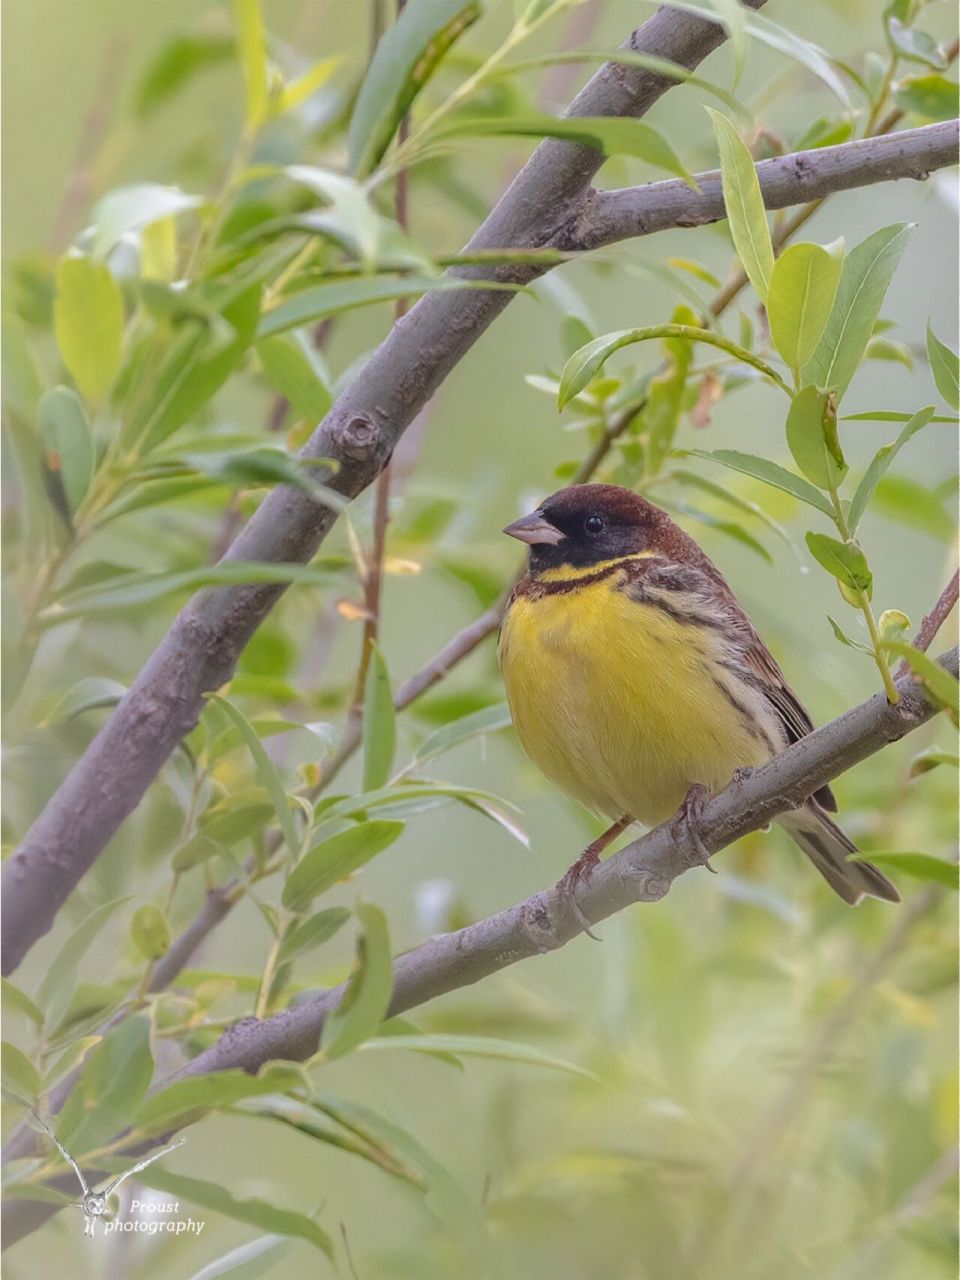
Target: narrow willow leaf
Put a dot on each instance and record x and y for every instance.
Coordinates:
(770, 473)
(881, 461)
(267, 774)
(845, 639)
(379, 723)
(195, 1095)
(627, 58)
(238, 815)
(665, 392)
(919, 866)
(253, 1211)
(19, 1076)
(88, 322)
(586, 363)
(67, 442)
(348, 206)
(405, 59)
(802, 289)
(811, 429)
(731, 498)
(612, 136)
(335, 858)
(930, 759)
(487, 720)
(14, 998)
(312, 932)
(305, 86)
(248, 1260)
(845, 560)
(746, 213)
(395, 797)
(479, 1047)
(115, 1079)
(150, 931)
(944, 367)
(135, 208)
(252, 47)
(800, 50)
(363, 1005)
(880, 348)
(892, 415)
(139, 588)
(728, 527)
(309, 305)
(57, 985)
(864, 281)
(939, 683)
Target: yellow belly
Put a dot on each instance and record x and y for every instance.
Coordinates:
(618, 704)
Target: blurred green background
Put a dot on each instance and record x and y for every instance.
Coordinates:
(778, 1072)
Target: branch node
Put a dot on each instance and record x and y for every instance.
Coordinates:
(360, 439)
(537, 925)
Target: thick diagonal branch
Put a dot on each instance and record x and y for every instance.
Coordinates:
(641, 872)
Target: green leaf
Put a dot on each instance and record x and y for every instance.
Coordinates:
(116, 1075)
(379, 723)
(405, 59)
(479, 1047)
(744, 204)
(881, 348)
(193, 371)
(14, 998)
(921, 866)
(252, 1210)
(486, 720)
(864, 281)
(908, 502)
(312, 932)
(812, 437)
(252, 48)
(613, 136)
(769, 472)
(729, 527)
(349, 210)
(931, 96)
(929, 759)
(88, 694)
(142, 588)
(238, 815)
(804, 52)
(67, 442)
(252, 1259)
(134, 208)
(57, 985)
(150, 931)
(195, 1095)
(939, 683)
(309, 305)
(844, 560)
(305, 86)
(881, 461)
(802, 289)
(916, 46)
(845, 639)
(20, 1078)
(945, 368)
(728, 496)
(627, 58)
(267, 774)
(892, 415)
(363, 1005)
(335, 858)
(584, 365)
(88, 322)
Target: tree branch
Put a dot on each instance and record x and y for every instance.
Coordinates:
(641, 872)
(201, 649)
(934, 620)
(611, 216)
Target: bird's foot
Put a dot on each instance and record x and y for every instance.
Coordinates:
(685, 828)
(583, 868)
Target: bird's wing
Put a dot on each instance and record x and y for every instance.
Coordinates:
(64, 1152)
(700, 594)
(112, 1186)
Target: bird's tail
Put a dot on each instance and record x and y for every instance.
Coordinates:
(828, 848)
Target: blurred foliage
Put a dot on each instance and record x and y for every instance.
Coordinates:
(747, 1079)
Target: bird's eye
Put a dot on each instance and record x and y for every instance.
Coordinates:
(593, 526)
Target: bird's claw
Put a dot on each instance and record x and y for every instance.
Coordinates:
(568, 884)
(686, 827)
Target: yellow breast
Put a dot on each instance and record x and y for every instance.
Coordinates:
(617, 702)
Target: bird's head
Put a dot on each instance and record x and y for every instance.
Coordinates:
(590, 523)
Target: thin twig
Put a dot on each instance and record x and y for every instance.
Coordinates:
(934, 620)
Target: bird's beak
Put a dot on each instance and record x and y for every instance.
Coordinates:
(534, 529)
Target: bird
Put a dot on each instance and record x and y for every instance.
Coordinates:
(638, 685)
